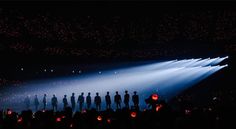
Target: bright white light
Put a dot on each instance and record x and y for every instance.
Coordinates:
(225, 65)
(168, 77)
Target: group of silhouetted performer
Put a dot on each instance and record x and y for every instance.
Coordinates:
(82, 100)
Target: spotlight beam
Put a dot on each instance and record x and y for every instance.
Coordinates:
(169, 77)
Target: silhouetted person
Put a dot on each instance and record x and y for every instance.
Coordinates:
(27, 102)
(135, 99)
(117, 100)
(72, 100)
(44, 101)
(81, 101)
(54, 103)
(126, 99)
(88, 101)
(108, 101)
(36, 102)
(65, 102)
(151, 103)
(97, 101)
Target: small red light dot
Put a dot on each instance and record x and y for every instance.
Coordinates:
(71, 125)
(99, 118)
(133, 114)
(58, 119)
(108, 120)
(9, 112)
(19, 120)
(155, 97)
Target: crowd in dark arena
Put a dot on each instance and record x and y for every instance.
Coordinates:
(42, 41)
(181, 114)
(86, 35)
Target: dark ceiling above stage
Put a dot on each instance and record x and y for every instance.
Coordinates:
(44, 35)
(70, 32)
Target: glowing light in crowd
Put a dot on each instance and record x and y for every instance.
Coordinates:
(155, 97)
(99, 118)
(20, 120)
(187, 112)
(84, 111)
(9, 112)
(108, 120)
(158, 107)
(58, 119)
(133, 114)
(71, 125)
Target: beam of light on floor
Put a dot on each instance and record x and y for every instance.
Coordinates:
(168, 77)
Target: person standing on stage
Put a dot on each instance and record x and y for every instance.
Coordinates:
(135, 99)
(88, 101)
(108, 101)
(97, 101)
(81, 101)
(27, 102)
(117, 99)
(36, 102)
(44, 101)
(54, 103)
(65, 102)
(72, 99)
(126, 99)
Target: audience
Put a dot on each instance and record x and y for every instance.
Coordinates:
(214, 115)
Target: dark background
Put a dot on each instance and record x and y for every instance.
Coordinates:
(126, 32)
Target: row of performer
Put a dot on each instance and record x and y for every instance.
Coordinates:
(82, 100)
